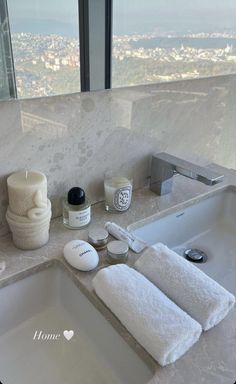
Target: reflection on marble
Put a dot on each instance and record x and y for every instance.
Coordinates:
(74, 139)
(2, 266)
(44, 126)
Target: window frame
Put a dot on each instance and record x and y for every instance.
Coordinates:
(92, 76)
(88, 42)
(7, 48)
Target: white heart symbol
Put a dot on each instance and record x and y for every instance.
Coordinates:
(68, 334)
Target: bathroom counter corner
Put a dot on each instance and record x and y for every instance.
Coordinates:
(212, 359)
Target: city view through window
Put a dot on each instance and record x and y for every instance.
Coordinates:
(167, 40)
(153, 41)
(45, 43)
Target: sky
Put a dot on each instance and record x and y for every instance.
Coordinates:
(176, 15)
(130, 16)
(44, 16)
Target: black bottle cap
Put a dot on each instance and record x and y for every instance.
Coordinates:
(76, 196)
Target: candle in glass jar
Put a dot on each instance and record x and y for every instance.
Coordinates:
(23, 187)
(118, 192)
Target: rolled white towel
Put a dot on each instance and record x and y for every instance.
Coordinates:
(158, 324)
(190, 288)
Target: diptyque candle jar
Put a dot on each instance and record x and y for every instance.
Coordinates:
(118, 192)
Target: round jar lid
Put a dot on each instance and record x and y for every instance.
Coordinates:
(97, 235)
(117, 248)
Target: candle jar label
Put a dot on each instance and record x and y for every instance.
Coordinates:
(122, 198)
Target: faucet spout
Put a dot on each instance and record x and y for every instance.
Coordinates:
(164, 166)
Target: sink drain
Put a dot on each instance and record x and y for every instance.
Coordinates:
(195, 255)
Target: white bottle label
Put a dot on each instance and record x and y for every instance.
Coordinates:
(122, 198)
(78, 219)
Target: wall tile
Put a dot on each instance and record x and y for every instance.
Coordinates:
(74, 139)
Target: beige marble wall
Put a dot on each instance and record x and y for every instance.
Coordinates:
(74, 139)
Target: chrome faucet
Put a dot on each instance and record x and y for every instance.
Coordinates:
(164, 166)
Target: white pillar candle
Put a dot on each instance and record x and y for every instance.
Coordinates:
(29, 211)
(23, 188)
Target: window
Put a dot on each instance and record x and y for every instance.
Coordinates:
(45, 44)
(50, 47)
(164, 40)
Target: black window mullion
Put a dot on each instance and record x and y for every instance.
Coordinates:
(84, 45)
(108, 43)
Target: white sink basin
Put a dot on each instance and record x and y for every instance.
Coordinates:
(49, 301)
(209, 225)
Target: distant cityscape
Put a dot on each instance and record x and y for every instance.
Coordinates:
(50, 64)
(139, 59)
(45, 65)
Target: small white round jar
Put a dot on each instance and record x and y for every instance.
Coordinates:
(98, 237)
(117, 252)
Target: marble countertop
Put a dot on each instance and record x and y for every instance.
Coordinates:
(213, 358)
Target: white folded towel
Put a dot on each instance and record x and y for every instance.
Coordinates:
(158, 324)
(190, 288)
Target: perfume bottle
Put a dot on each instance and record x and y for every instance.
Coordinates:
(76, 209)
